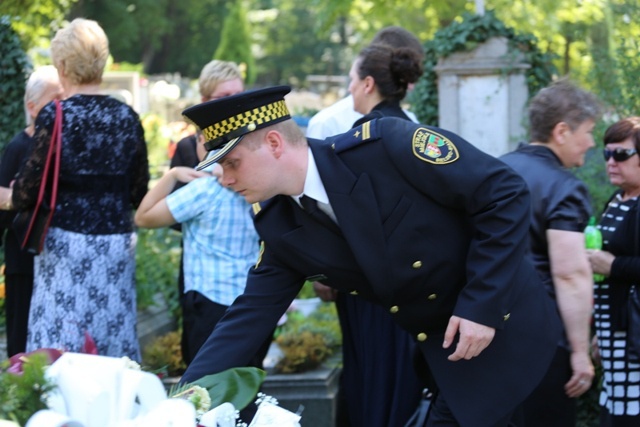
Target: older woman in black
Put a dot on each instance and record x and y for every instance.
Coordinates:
(619, 261)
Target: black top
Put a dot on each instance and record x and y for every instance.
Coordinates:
(186, 154)
(383, 109)
(625, 270)
(104, 170)
(16, 260)
(431, 227)
(559, 200)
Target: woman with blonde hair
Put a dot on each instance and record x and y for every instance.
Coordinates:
(84, 279)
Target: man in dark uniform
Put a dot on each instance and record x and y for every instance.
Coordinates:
(410, 217)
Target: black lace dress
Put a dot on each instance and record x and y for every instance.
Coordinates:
(84, 280)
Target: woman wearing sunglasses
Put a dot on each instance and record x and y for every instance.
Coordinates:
(619, 261)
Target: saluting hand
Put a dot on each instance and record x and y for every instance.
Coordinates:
(474, 338)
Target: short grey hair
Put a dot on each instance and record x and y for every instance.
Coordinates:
(38, 83)
(561, 101)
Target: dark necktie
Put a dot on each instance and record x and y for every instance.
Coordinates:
(310, 206)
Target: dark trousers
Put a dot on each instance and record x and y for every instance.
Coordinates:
(440, 416)
(608, 420)
(18, 290)
(200, 316)
(549, 405)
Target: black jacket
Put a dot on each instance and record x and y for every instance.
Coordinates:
(431, 227)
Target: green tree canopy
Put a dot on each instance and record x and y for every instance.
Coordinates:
(235, 42)
(14, 69)
(35, 20)
(166, 36)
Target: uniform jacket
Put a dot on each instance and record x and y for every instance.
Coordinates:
(431, 227)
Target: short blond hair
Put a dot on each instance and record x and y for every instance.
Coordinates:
(216, 72)
(39, 82)
(81, 48)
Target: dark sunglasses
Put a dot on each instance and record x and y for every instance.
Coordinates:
(619, 154)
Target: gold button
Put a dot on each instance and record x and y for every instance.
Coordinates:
(394, 309)
(251, 127)
(333, 146)
(417, 264)
(422, 336)
(506, 316)
(432, 296)
(354, 292)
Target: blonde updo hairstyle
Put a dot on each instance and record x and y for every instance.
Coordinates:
(80, 50)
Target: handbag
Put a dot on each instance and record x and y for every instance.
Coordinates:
(633, 307)
(31, 225)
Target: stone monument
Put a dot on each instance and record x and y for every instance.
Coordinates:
(482, 95)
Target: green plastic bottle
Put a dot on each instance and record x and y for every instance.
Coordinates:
(593, 240)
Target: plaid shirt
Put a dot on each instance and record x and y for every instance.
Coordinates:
(220, 242)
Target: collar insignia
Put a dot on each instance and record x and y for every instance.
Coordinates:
(432, 147)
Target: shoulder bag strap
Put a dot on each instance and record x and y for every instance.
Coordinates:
(58, 153)
(50, 154)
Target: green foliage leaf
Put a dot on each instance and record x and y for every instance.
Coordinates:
(238, 386)
(14, 70)
(157, 264)
(22, 395)
(235, 42)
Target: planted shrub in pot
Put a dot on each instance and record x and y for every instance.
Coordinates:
(306, 342)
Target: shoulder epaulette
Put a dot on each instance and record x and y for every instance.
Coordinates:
(366, 132)
(258, 207)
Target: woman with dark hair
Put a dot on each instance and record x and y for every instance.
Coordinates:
(380, 77)
(379, 383)
(619, 262)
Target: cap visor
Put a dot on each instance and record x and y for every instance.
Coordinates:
(216, 155)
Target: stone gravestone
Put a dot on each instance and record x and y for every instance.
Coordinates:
(482, 96)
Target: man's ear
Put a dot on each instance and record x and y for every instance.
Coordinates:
(559, 132)
(275, 143)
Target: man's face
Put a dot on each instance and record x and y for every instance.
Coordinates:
(580, 141)
(250, 170)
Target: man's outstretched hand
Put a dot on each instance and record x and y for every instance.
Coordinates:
(474, 338)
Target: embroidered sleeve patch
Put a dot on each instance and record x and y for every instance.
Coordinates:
(433, 148)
